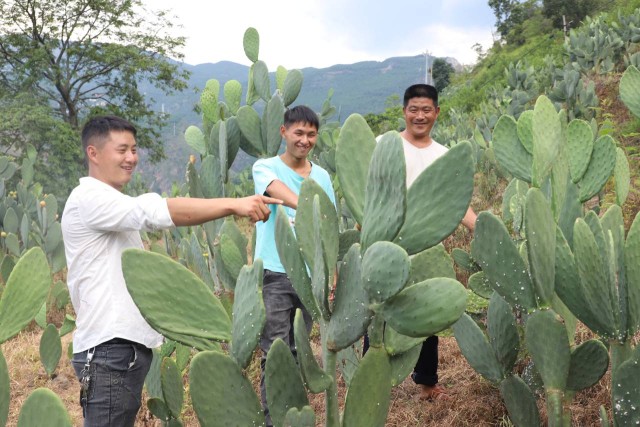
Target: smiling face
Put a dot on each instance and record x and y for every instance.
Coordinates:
(112, 160)
(420, 114)
(300, 138)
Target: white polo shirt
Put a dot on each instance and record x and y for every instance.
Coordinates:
(418, 159)
(98, 223)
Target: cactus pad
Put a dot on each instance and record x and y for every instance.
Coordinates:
(589, 362)
(433, 214)
(630, 89)
(503, 333)
(495, 252)
(385, 270)
(50, 349)
(510, 153)
(351, 314)
(31, 277)
(196, 314)
(601, 166)
(5, 390)
(368, 397)
(354, 150)
(235, 403)
(291, 258)
(386, 191)
(43, 408)
(425, 308)
(251, 43)
(547, 136)
(622, 176)
(249, 314)
(579, 148)
(172, 391)
(541, 238)
(548, 343)
(520, 402)
(476, 348)
(285, 389)
(314, 377)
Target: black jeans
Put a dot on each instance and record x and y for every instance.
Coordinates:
(426, 369)
(117, 372)
(280, 302)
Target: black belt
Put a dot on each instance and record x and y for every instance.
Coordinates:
(120, 341)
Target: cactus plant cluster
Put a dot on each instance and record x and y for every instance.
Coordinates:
(28, 217)
(379, 282)
(558, 262)
(599, 42)
(574, 92)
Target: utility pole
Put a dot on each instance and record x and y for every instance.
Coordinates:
(564, 26)
(428, 78)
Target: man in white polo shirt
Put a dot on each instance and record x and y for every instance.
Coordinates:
(420, 151)
(112, 343)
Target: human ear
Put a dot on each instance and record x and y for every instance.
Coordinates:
(92, 152)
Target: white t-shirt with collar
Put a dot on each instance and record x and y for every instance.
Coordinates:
(98, 224)
(418, 159)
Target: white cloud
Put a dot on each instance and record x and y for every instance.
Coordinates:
(298, 34)
(442, 40)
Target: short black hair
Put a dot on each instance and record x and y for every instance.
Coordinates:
(421, 90)
(98, 128)
(301, 114)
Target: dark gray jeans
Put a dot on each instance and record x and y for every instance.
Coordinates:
(117, 373)
(280, 302)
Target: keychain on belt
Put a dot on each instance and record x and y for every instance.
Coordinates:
(85, 381)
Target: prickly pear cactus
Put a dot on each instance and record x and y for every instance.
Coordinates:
(197, 317)
(30, 276)
(43, 407)
(50, 349)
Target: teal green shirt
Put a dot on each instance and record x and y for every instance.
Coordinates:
(265, 171)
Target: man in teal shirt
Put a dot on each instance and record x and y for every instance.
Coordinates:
(281, 177)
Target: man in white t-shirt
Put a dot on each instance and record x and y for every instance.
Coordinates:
(420, 151)
(112, 342)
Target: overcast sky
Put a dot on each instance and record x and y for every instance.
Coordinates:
(320, 33)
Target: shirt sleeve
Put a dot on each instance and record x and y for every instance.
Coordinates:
(109, 211)
(263, 175)
(327, 186)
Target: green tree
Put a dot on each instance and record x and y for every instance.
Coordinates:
(574, 10)
(507, 14)
(28, 119)
(85, 57)
(391, 119)
(442, 72)
(511, 15)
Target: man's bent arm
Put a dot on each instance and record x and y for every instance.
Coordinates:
(469, 220)
(279, 190)
(193, 211)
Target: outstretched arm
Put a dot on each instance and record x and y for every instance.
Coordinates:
(193, 211)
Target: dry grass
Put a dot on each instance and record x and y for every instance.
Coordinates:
(475, 402)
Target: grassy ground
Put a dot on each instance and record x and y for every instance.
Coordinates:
(475, 402)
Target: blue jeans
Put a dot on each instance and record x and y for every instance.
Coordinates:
(280, 302)
(117, 372)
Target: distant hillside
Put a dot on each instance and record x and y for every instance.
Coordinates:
(362, 88)
(359, 88)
